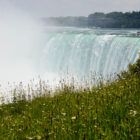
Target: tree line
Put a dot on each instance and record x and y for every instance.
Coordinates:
(99, 19)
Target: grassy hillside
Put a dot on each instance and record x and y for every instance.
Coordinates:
(108, 111)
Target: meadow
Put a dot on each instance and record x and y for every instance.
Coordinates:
(107, 111)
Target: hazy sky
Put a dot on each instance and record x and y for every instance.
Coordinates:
(41, 8)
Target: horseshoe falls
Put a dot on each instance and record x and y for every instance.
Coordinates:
(79, 52)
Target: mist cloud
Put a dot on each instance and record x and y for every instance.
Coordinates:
(19, 34)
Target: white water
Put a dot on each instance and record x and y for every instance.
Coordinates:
(81, 51)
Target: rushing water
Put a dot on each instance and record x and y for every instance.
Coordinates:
(81, 51)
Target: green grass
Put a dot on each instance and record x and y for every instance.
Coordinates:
(109, 111)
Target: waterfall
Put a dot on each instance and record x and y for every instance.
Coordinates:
(79, 51)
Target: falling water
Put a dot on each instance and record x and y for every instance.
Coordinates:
(81, 51)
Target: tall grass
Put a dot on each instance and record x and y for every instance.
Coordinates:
(108, 111)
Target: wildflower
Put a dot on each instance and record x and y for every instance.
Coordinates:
(12, 107)
(73, 118)
(64, 119)
(38, 137)
(64, 114)
(95, 126)
(83, 125)
(20, 129)
(29, 138)
(51, 133)
(133, 112)
(95, 119)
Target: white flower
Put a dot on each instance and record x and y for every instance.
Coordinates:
(133, 112)
(73, 118)
(95, 126)
(29, 138)
(64, 114)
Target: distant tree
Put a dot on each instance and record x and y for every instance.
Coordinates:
(99, 19)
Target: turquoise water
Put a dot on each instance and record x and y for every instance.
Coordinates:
(80, 51)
